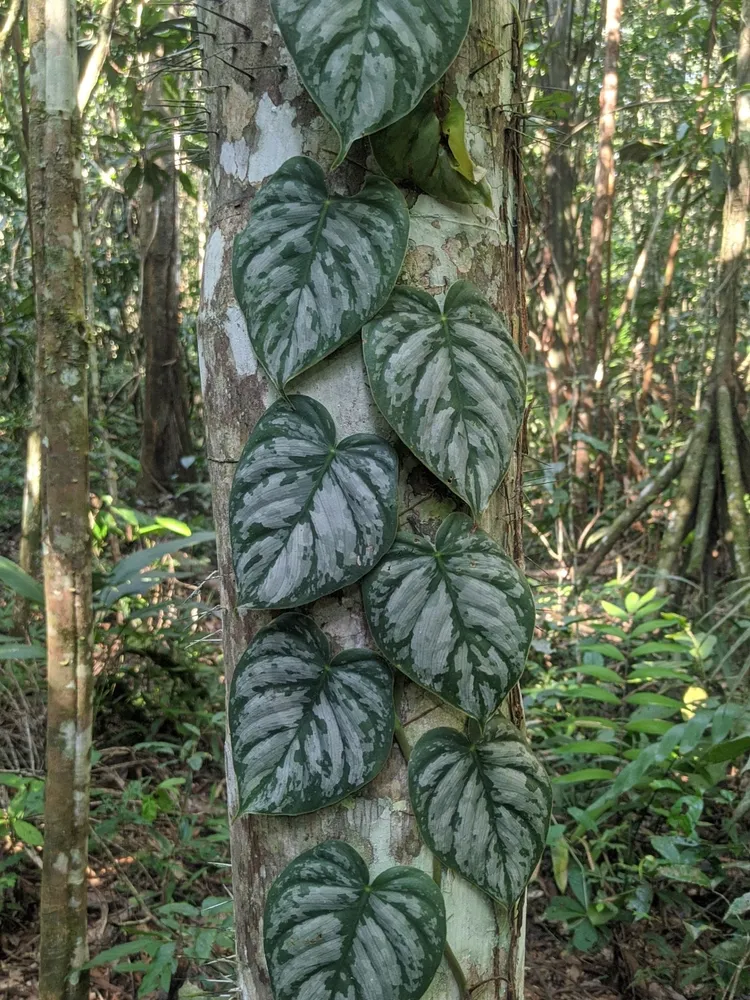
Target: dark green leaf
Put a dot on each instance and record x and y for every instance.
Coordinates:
(331, 933)
(718, 754)
(307, 728)
(457, 616)
(312, 267)
(27, 833)
(451, 383)
(21, 651)
(412, 150)
(308, 516)
(20, 582)
(586, 774)
(482, 808)
(149, 945)
(367, 63)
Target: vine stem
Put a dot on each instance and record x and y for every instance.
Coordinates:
(437, 875)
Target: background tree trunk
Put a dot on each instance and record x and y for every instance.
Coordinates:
(66, 560)
(166, 429)
(604, 192)
(261, 116)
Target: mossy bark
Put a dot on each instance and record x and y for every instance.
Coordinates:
(260, 115)
(66, 553)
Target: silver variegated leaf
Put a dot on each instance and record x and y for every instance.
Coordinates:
(308, 516)
(332, 934)
(312, 267)
(307, 729)
(456, 616)
(482, 808)
(451, 383)
(367, 63)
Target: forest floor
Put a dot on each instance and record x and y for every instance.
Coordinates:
(159, 851)
(553, 972)
(129, 872)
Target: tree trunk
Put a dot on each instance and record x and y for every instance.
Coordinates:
(260, 116)
(66, 559)
(604, 192)
(166, 428)
(559, 334)
(736, 203)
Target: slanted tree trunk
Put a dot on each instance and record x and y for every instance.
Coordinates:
(66, 560)
(166, 428)
(604, 193)
(260, 116)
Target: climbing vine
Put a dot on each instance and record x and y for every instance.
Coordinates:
(311, 513)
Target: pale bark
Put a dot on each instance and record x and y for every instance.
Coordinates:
(55, 186)
(261, 117)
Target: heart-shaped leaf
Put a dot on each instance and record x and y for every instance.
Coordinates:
(367, 63)
(307, 729)
(413, 150)
(457, 616)
(311, 267)
(308, 516)
(451, 383)
(482, 808)
(331, 934)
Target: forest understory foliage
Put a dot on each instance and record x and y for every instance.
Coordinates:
(625, 428)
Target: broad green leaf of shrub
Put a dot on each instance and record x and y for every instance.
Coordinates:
(312, 267)
(482, 808)
(331, 933)
(307, 728)
(17, 580)
(20, 651)
(367, 63)
(451, 383)
(456, 616)
(728, 750)
(428, 149)
(308, 516)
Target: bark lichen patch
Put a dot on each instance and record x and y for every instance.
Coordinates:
(278, 138)
(67, 733)
(60, 864)
(212, 264)
(245, 360)
(235, 158)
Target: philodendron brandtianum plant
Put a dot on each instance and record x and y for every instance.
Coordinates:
(311, 513)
